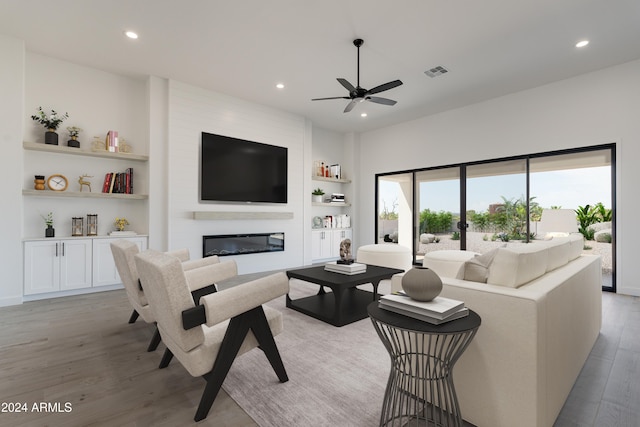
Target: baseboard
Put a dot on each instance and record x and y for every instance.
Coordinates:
(8, 301)
(68, 293)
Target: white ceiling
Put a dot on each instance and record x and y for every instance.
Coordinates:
(244, 47)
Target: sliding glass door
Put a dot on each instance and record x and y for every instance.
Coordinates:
(481, 205)
(496, 204)
(438, 211)
(575, 192)
(395, 209)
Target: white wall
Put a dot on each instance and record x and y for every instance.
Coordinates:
(193, 110)
(11, 108)
(595, 108)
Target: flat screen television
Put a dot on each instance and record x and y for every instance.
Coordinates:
(236, 170)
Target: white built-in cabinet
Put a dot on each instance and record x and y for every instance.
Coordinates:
(68, 265)
(56, 265)
(104, 268)
(326, 243)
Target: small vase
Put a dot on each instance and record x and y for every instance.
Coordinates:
(73, 142)
(317, 198)
(51, 137)
(49, 231)
(39, 182)
(421, 284)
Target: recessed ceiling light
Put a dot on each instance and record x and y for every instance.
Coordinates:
(363, 115)
(582, 43)
(131, 34)
(280, 86)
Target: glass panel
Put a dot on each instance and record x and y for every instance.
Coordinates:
(496, 204)
(438, 203)
(395, 196)
(574, 192)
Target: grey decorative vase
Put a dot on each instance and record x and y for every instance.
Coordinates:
(49, 231)
(421, 284)
(50, 137)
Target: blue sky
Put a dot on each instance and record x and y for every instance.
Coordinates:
(567, 189)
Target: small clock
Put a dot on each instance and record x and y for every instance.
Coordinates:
(57, 182)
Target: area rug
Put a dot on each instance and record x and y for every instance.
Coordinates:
(337, 375)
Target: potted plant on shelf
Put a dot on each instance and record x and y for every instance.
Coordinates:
(51, 123)
(316, 195)
(73, 133)
(48, 220)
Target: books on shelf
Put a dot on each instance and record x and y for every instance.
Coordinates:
(118, 182)
(354, 268)
(437, 311)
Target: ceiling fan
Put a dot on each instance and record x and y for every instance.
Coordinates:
(358, 94)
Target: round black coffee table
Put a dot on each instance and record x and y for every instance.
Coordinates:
(420, 390)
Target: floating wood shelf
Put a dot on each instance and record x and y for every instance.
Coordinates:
(223, 215)
(80, 194)
(61, 149)
(321, 178)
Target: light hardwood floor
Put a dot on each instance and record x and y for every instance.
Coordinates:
(81, 350)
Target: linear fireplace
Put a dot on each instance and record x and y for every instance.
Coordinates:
(241, 244)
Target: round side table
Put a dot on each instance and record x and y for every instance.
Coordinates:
(420, 390)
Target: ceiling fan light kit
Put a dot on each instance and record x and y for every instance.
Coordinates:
(358, 94)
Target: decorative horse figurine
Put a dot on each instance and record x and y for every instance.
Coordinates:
(82, 182)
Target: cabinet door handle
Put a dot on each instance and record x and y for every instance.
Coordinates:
(56, 249)
(62, 248)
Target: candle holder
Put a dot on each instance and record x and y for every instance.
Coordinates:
(92, 224)
(77, 226)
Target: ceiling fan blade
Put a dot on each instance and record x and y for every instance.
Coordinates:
(384, 87)
(333, 97)
(348, 86)
(350, 105)
(379, 100)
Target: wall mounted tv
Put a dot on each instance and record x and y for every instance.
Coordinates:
(235, 170)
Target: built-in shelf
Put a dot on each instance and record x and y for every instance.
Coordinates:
(321, 178)
(86, 195)
(61, 149)
(223, 215)
(333, 205)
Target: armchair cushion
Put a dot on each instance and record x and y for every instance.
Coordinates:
(238, 299)
(206, 275)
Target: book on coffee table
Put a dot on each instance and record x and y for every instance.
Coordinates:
(353, 268)
(439, 308)
(463, 312)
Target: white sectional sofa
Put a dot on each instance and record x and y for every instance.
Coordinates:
(541, 311)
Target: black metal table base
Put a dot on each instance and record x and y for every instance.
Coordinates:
(420, 389)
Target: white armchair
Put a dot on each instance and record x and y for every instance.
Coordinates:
(207, 338)
(202, 276)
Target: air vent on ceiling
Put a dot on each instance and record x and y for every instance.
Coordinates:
(436, 71)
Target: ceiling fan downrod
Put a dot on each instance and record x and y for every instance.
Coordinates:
(357, 43)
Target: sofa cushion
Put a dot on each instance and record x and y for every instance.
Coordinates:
(477, 268)
(517, 265)
(558, 253)
(447, 263)
(576, 242)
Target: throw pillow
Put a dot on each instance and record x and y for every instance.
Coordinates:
(477, 268)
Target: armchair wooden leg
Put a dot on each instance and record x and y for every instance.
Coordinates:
(155, 340)
(166, 359)
(134, 317)
(264, 336)
(234, 337)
